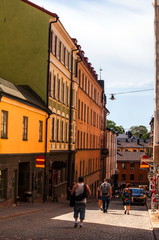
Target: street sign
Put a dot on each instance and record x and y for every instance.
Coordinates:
(40, 161)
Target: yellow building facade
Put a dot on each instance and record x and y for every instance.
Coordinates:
(22, 140)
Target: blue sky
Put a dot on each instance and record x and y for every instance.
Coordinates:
(117, 36)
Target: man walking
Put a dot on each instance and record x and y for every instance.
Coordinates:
(81, 192)
(106, 191)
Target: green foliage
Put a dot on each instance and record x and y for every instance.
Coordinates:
(139, 131)
(112, 125)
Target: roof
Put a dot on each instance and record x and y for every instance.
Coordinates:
(129, 156)
(21, 93)
(131, 145)
(40, 8)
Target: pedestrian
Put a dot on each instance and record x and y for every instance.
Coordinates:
(127, 198)
(99, 196)
(106, 191)
(81, 191)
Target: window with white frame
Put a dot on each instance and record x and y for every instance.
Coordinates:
(25, 128)
(4, 124)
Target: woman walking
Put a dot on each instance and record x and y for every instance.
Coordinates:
(127, 198)
(99, 196)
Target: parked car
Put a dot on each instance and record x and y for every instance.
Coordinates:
(139, 196)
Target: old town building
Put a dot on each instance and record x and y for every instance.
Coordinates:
(23, 139)
(111, 160)
(43, 57)
(129, 153)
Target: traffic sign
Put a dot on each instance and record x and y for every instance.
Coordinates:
(40, 161)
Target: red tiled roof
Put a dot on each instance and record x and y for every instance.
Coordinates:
(40, 8)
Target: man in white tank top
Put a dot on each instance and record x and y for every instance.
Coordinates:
(81, 191)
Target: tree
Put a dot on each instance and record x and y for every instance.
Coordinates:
(139, 131)
(112, 125)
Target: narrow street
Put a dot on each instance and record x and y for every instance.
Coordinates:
(56, 222)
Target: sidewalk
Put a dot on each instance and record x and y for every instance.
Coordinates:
(154, 217)
(28, 208)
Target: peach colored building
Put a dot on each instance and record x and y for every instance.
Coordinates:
(88, 124)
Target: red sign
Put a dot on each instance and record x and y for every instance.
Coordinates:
(40, 161)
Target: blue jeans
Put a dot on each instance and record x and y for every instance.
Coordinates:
(105, 201)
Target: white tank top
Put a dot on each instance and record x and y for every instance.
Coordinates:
(80, 190)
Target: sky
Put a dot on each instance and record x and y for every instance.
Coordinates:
(117, 36)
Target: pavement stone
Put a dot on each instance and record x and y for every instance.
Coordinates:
(136, 220)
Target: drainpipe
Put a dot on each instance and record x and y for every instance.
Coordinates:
(70, 170)
(48, 61)
(47, 104)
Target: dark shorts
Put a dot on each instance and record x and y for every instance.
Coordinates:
(79, 209)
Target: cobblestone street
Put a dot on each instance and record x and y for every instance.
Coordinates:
(55, 221)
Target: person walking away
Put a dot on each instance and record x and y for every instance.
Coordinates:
(99, 196)
(81, 191)
(106, 194)
(127, 198)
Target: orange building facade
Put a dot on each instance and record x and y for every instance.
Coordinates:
(88, 124)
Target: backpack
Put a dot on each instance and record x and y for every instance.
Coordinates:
(105, 187)
(82, 195)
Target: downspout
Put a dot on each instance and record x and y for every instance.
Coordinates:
(70, 119)
(48, 61)
(47, 104)
(70, 170)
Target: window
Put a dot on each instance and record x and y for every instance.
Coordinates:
(25, 128)
(59, 50)
(54, 86)
(59, 89)
(62, 91)
(62, 131)
(140, 177)
(40, 131)
(4, 124)
(67, 126)
(51, 38)
(131, 176)
(85, 112)
(82, 111)
(79, 105)
(123, 177)
(3, 184)
(83, 81)
(58, 130)
(53, 130)
(123, 165)
(55, 46)
(132, 166)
